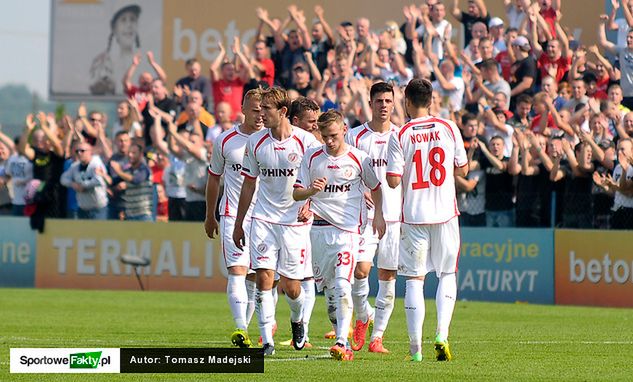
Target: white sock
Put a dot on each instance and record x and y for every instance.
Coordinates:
(266, 315)
(360, 291)
(414, 309)
(251, 290)
(308, 304)
(296, 306)
(275, 295)
(384, 306)
(445, 301)
(330, 300)
(275, 300)
(344, 309)
(238, 299)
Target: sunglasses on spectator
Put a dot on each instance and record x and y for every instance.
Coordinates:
(95, 119)
(79, 151)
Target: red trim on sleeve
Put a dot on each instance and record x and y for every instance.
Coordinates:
(394, 174)
(226, 139)
(266, 136)
(377, 187)
(297, 185)
(450, 129)
(351, 155)
(462, 166)
(303, 150)
(365, 130)
(248, 175)
(316, 154)
(210, 172)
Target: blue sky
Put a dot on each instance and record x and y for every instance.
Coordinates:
(24, 38)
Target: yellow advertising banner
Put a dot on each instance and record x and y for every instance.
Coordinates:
(594, 268)
(87, 255)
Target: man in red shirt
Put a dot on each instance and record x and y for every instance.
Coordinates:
(555, 61)
(226, 83)
(505, 58)
(263, 63)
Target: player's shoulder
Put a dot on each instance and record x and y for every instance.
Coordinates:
(257, 136)
(357, 153)
(357, 130)
(314, 150)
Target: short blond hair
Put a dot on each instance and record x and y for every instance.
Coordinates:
(330, 117)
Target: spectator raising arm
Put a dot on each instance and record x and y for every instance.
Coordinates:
(160, 72)
(327, 29)
(190, 147)
(214, 68)
(300, 20)
(127, 78)
(456, 12)
(602, 36)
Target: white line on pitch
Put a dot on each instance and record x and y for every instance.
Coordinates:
(306, 358)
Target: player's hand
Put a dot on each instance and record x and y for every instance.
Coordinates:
(238, 236)
(318, 185)
(379, 225)
(304, 213)
(211, 226)
(368, 201)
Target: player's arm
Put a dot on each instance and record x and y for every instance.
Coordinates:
(300, 193)
(395, 162)
(378, 224)
(246, 197)
(211, 226)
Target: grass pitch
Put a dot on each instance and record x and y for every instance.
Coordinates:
(489, 341)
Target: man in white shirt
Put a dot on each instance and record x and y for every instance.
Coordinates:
(227, 159)
(372, 138)
(277, 239)
(424, 157)
(334, 178)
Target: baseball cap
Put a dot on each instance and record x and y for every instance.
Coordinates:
(495, 22)
(521, 42)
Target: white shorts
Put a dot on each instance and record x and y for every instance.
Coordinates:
(279, 248)
(334, 256)
(307, 259)
(429, 248)
(233, 256)
(387, 248)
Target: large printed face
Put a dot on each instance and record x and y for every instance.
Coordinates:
(126, 29)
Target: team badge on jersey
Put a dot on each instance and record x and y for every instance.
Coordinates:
(348, 172)
(293, 157)
(262, 247)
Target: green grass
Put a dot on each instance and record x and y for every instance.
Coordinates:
(501, 342)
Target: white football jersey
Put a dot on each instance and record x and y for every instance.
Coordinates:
(621, 200)
(276, 164)
(342, 202)
(424, 153)
(375, 145)
(227, 159)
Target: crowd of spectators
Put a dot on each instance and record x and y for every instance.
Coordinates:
(546, 120)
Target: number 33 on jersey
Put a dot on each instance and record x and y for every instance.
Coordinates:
(424, 153)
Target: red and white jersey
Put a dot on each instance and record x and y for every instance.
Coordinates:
(424, 153)
(342, 202)
(227, 158)
(276, 164)
(375, 145)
